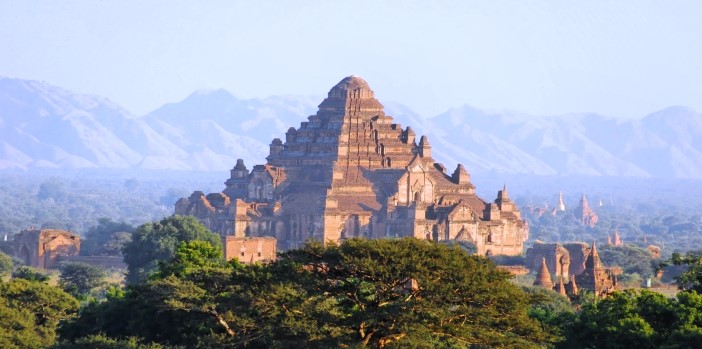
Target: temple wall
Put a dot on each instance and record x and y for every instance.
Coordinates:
(250, 250)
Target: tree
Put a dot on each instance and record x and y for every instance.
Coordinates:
(550, 308)
(107, 238)
(413, 293)
(158, 241)
(130, 313)
(194, 257)
(632, 319)
(172, 195)
(78, 278)
(402, 293)
(103, 342)
(53, 188)
(29, 273)
(632, 259)
(691, 279)
(30, 311)
(6, 265)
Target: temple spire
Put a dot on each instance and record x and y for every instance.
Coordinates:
(593, 259)
(561, 204)
(424, 147)
(543, 277)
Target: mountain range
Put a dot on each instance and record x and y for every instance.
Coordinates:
(44, 126)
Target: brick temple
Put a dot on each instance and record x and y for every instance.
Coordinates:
(350, 171)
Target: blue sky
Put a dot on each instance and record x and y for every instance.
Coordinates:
(621, 58)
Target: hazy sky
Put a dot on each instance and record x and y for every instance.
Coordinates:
(622, 58)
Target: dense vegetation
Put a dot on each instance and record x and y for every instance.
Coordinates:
(156, 242)
(78, 200)
(399, 293)
(377, 293)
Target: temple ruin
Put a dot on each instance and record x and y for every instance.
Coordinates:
(43, 248)
(586, 273)
(350, 171)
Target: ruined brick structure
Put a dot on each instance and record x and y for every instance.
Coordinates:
(555, 256)
(564, 260)
(578, 252)
(245, 250)
(593, 277)
(42, 248)
(596, 278)
(350, 171)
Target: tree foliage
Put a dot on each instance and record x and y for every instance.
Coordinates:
(107, 238)
(103, 342)
(30, 311)
(632, 259)
(6, 265)
(363, 293)
(641, 320)
(690, 279)
(158, 241)
(29, 273)
(78, 278)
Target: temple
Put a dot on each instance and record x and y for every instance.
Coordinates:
(350, 171)
(43, 248)
(584, 214)
(593, 277)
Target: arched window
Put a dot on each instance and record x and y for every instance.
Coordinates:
(417, 197)
(389, 163)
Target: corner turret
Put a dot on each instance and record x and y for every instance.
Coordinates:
(460, 175)
(424, 147)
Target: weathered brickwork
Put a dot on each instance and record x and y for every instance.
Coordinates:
(350, 171)
(42, 248)
(249, 250)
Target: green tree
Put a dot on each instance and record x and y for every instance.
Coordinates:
(158, 241)
(103, 342)
(632, 319)
(29, 273)
(107, 238)
(632, 259)
(691, 279)
(193, 257)
(185, 307)
(550, 308)
(30, 312)
(402, 293)
(6, 265)
(78, 278)
(412, 293)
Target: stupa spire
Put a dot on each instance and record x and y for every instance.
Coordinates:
(561, 204)
(543, 277)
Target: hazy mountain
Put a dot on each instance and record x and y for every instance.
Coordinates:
(216, 128)
(46, 126)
